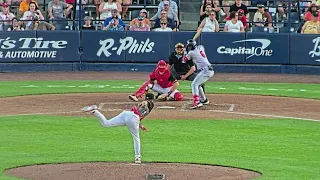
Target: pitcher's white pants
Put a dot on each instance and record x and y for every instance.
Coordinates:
(201, 78)
(126, 118)
(157, 88)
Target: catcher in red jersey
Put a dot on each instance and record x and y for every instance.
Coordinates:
(161, 81)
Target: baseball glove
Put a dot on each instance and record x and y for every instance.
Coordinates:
(149, 96)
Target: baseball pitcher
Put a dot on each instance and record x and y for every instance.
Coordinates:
(130, 118)
(183, 70)
(162, 82)
(198, 56)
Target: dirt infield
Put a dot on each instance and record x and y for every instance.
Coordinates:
(221, 107)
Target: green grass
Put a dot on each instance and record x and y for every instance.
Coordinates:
(280, 149)
(17, 88)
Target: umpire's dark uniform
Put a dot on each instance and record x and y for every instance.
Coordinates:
(180, 67)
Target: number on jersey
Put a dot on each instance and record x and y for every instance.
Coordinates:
(203, 54)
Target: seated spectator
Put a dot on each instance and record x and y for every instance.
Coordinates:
(41, 25)
(140, 26)
(15, 26)
(5, 17)
(312, 9)
(87, 24)
(242, 18)
(170, 13)
(262, 17)
(115, 15)
(304, 5)
(206, 7)
(24, 5)
(56, 13)
(209, 24)
(125, 7)
(163, 27)
(233, 25)
(172, 4)
(28, 15)
(282, 4)
(114, 26)
(170, 23)
(312, 27)
(143, 14)
(238, 5)
(105, 9)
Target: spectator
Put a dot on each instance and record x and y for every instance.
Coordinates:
(28, 15)
(41, 25)
(281, 10)
(209, 24)
(312, 27)
(140, 26)
(304, 4)
(105, 8)
(233, 25)
(170, 13)
(238, 5)
(312, 9)
(170, 23)
(125, 7)
(115, 15)
(173, 6)
(5, 17)
(56, 13)
(114, 26)
(87, 24)
(206, 8)
(242, 18)
(15, 26)
(143, 14)
(163, 27)
(24, 5)
(262, 17)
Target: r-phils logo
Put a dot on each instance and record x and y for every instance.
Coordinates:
(253, 51)
(316, 49)
(133, 45)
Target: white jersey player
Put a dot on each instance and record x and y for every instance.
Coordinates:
(130, 118)
(205, 72)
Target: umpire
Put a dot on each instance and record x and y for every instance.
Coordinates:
(180, 69)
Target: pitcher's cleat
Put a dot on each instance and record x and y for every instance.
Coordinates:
(196, 105)
(89, 109)
(205, 102)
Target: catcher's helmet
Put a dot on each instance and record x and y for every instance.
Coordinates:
(162, 66)
(191, 44)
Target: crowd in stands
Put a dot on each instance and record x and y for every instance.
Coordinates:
(21, 15)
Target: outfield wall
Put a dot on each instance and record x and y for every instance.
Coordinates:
(139, 51)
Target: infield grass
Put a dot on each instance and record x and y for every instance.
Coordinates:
(278, 148)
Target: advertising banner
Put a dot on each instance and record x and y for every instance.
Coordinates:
(262, 48)
(224, 47)
(60, 46)
(146, 46)
(304, 49)
(181, 37)
(19, 46)
(104, 46)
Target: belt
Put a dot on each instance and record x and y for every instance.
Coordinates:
(207, 68)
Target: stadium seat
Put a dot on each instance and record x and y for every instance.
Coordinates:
(259, 29)
(135, 14)
(145, 2)
(285, 30)
(294, 16)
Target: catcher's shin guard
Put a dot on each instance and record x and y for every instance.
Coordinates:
(143, 89)
(178, 96)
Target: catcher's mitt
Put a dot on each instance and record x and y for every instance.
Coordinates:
(149, 96)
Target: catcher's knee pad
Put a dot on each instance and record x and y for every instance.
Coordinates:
(178, 96)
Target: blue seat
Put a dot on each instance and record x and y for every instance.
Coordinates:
(145, 2)
(294, 16)
(259, 29)
(135, 14)
(285, 30)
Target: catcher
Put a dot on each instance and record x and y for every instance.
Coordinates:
(130, 118)
(183, 70)
(162, 82)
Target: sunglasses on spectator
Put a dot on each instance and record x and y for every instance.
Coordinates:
(163, 23)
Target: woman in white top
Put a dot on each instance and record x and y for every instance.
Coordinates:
(163, 27)
(105, 9)
(28, 15)
(208, 24)
(233, 25)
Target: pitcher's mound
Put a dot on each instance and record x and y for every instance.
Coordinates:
(128, 171)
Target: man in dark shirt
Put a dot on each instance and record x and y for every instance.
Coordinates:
(179, 68)
(238, 5)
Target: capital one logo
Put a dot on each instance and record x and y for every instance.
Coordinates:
(253, 51)
(316, 49)
(128, 43)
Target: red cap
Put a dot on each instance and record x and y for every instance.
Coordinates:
(313, 4)
(5, 5)
(241, 11)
